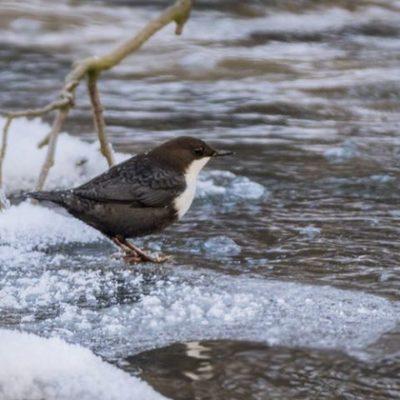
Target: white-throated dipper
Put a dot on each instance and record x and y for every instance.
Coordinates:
(140, 196)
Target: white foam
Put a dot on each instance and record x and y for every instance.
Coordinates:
(35, 368)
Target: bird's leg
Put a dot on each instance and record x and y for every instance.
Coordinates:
(130, 256)
(142, 254)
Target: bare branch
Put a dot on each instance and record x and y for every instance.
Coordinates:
(98, 118)
(179, 13)
(38, 112)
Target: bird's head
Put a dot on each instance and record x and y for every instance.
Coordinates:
(184, 153)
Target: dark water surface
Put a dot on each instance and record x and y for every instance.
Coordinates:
(308, 96)
(238, 370)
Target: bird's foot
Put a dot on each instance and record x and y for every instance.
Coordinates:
(135, 258)
(134, 254)
(132, 258)
(159, 259)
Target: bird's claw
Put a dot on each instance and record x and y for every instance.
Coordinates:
(132, 258)
(162, 259)
(135, 258)
(134, 254)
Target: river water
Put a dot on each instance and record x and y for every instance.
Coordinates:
(285, 280)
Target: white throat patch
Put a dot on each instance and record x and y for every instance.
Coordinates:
(183, 202)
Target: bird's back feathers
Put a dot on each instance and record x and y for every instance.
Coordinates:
(138, 180)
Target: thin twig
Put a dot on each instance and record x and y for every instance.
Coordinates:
(49, 161)
(37, 112)
(3, 198)
(4, 146)
(98, 118)
(179, 13)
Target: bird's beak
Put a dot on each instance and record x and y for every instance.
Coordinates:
(223, 153)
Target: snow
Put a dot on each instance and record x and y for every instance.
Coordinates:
(35, 368)
(29, 227)
(75, 160)
(4, 202)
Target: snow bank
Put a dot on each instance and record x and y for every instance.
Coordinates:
(34, 368)
(28, 232)
(30, 227)
(75, 160)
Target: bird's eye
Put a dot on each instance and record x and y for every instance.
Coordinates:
(199, 151)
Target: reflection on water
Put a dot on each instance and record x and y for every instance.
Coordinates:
(244, 370)
(307, 94)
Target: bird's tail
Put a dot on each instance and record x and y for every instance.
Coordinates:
(54, 196)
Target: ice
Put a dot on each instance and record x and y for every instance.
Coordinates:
(347, 151)
(35, 368)
(382, 178)
(121, 310)
(310, 231)
(222, 245)
(253, 309)
(229, 187)
(215, 246)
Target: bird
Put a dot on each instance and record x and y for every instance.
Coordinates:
(140, 196)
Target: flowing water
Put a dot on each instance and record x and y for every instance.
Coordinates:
(286, 278)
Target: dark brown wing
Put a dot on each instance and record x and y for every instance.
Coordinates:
(138, 180)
